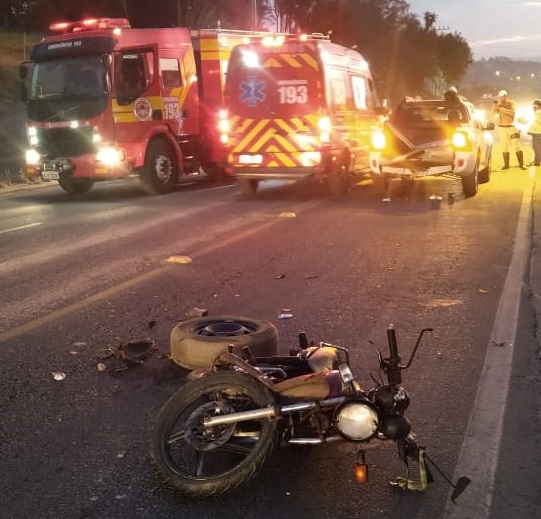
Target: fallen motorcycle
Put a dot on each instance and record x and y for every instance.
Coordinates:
(218, 430)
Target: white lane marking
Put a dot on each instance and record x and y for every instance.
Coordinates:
(21, 227)
(478, 457)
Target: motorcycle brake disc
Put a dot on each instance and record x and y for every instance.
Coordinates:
(205, 438)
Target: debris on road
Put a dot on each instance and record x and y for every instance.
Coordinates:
(183, 260)
(194, 312)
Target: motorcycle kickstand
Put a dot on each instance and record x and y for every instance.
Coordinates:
(459, 487)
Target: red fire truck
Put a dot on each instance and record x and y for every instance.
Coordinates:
(107, 101)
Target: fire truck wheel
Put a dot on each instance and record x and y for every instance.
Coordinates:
(195, 343)
(337, 182)
(159, 173)
(75, 185)
(248, 186)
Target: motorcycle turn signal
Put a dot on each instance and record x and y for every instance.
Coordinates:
(361, 468)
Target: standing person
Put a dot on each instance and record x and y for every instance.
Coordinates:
(535, 131)
(504, 110)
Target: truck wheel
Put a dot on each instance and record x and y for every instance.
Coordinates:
(337, 182)
(470, 182)
(195, 343)
(484, 174)
(248, 186)
(160, 172)
(75, 185)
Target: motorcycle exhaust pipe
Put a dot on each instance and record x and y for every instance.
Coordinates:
(269, 412)
(314, 441)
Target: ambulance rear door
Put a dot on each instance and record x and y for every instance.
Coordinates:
(275, 98)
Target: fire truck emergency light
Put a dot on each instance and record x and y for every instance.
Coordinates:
(90, 24)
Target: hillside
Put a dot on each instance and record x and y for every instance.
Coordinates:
(521, 78)
(14, 48)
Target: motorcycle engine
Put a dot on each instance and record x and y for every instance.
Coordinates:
(357, 421)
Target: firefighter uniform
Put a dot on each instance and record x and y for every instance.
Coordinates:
(504, 113)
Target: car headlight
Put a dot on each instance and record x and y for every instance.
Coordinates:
(460, 141)
(379, 141)
(110, 155)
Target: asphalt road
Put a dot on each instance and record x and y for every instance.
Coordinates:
(80, 275)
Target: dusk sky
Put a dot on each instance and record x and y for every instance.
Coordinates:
(509, 28)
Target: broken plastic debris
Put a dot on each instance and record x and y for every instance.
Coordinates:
(179, 259)
(135, 351)
(435, 198)
(386, 199)
(120, 455)
(288, 214)
(285, 316)
(483, 291)
(59, 375)
(196, 312)
(280, 276)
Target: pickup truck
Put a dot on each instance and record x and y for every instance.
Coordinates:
(432, 137)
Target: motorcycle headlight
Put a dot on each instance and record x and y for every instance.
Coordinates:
(357, 421)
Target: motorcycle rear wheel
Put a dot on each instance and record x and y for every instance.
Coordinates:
(200, 461)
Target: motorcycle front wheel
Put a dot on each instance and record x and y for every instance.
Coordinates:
(200, 461)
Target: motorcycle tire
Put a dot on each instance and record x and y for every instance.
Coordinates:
(200, 461)
(195, 343)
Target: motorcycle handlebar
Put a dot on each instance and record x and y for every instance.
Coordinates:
(393, 345)
(391, 365)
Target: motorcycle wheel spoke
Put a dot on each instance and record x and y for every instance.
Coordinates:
(178, 436)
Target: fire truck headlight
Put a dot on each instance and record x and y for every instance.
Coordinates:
(110, 156)
(310, 158)
(379, 141)
(32, 157)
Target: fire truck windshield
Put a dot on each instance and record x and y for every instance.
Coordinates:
(68, 78)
